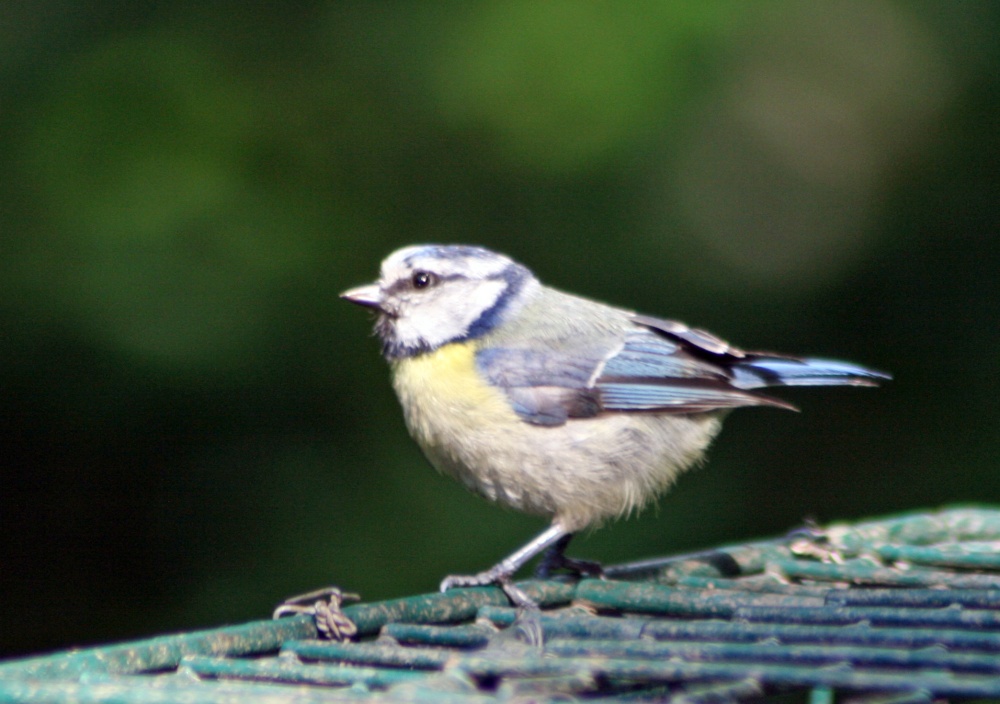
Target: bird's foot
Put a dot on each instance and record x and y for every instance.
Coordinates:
(496, 575)
(527, 626)
(578, 568)
(554, 558)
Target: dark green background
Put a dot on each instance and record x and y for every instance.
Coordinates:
(195, 427)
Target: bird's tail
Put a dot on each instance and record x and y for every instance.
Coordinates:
(758, 371)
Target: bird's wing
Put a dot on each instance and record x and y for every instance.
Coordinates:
(543, 387)
(659, 366)
(667, 367)
(754, 370)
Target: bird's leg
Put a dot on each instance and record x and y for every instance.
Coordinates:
(502, 573)
(555, 559)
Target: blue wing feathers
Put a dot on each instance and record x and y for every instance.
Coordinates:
(648, 356)
(678, 398)
(544, 388)
(661, 367)
(653, 372)
(514, 367)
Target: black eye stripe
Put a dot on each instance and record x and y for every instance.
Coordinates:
(409, 282)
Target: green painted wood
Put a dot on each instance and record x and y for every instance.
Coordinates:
(900, 610)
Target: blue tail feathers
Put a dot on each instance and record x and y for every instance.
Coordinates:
(763, 371)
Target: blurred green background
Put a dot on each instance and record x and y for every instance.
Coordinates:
(195, 427)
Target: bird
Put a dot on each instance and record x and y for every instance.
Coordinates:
(553, 404)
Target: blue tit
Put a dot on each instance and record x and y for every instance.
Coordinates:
(553, 404)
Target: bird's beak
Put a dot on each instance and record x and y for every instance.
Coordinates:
(368, 296)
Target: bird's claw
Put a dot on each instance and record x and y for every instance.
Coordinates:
(482, 579)
(576, 567)
(492, 576)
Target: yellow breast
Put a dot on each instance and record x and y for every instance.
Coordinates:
(442, 394)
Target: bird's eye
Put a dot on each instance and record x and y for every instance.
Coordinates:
(423, 279)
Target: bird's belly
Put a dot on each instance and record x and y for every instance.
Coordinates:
(581, 472)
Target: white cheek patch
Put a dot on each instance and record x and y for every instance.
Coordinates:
(477, 298)
(446, 313)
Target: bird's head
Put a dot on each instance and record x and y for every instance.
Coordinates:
(430, 295)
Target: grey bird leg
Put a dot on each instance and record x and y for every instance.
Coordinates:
(555, 559)
(502, 573)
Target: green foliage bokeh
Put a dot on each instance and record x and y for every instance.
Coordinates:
(196, 427)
